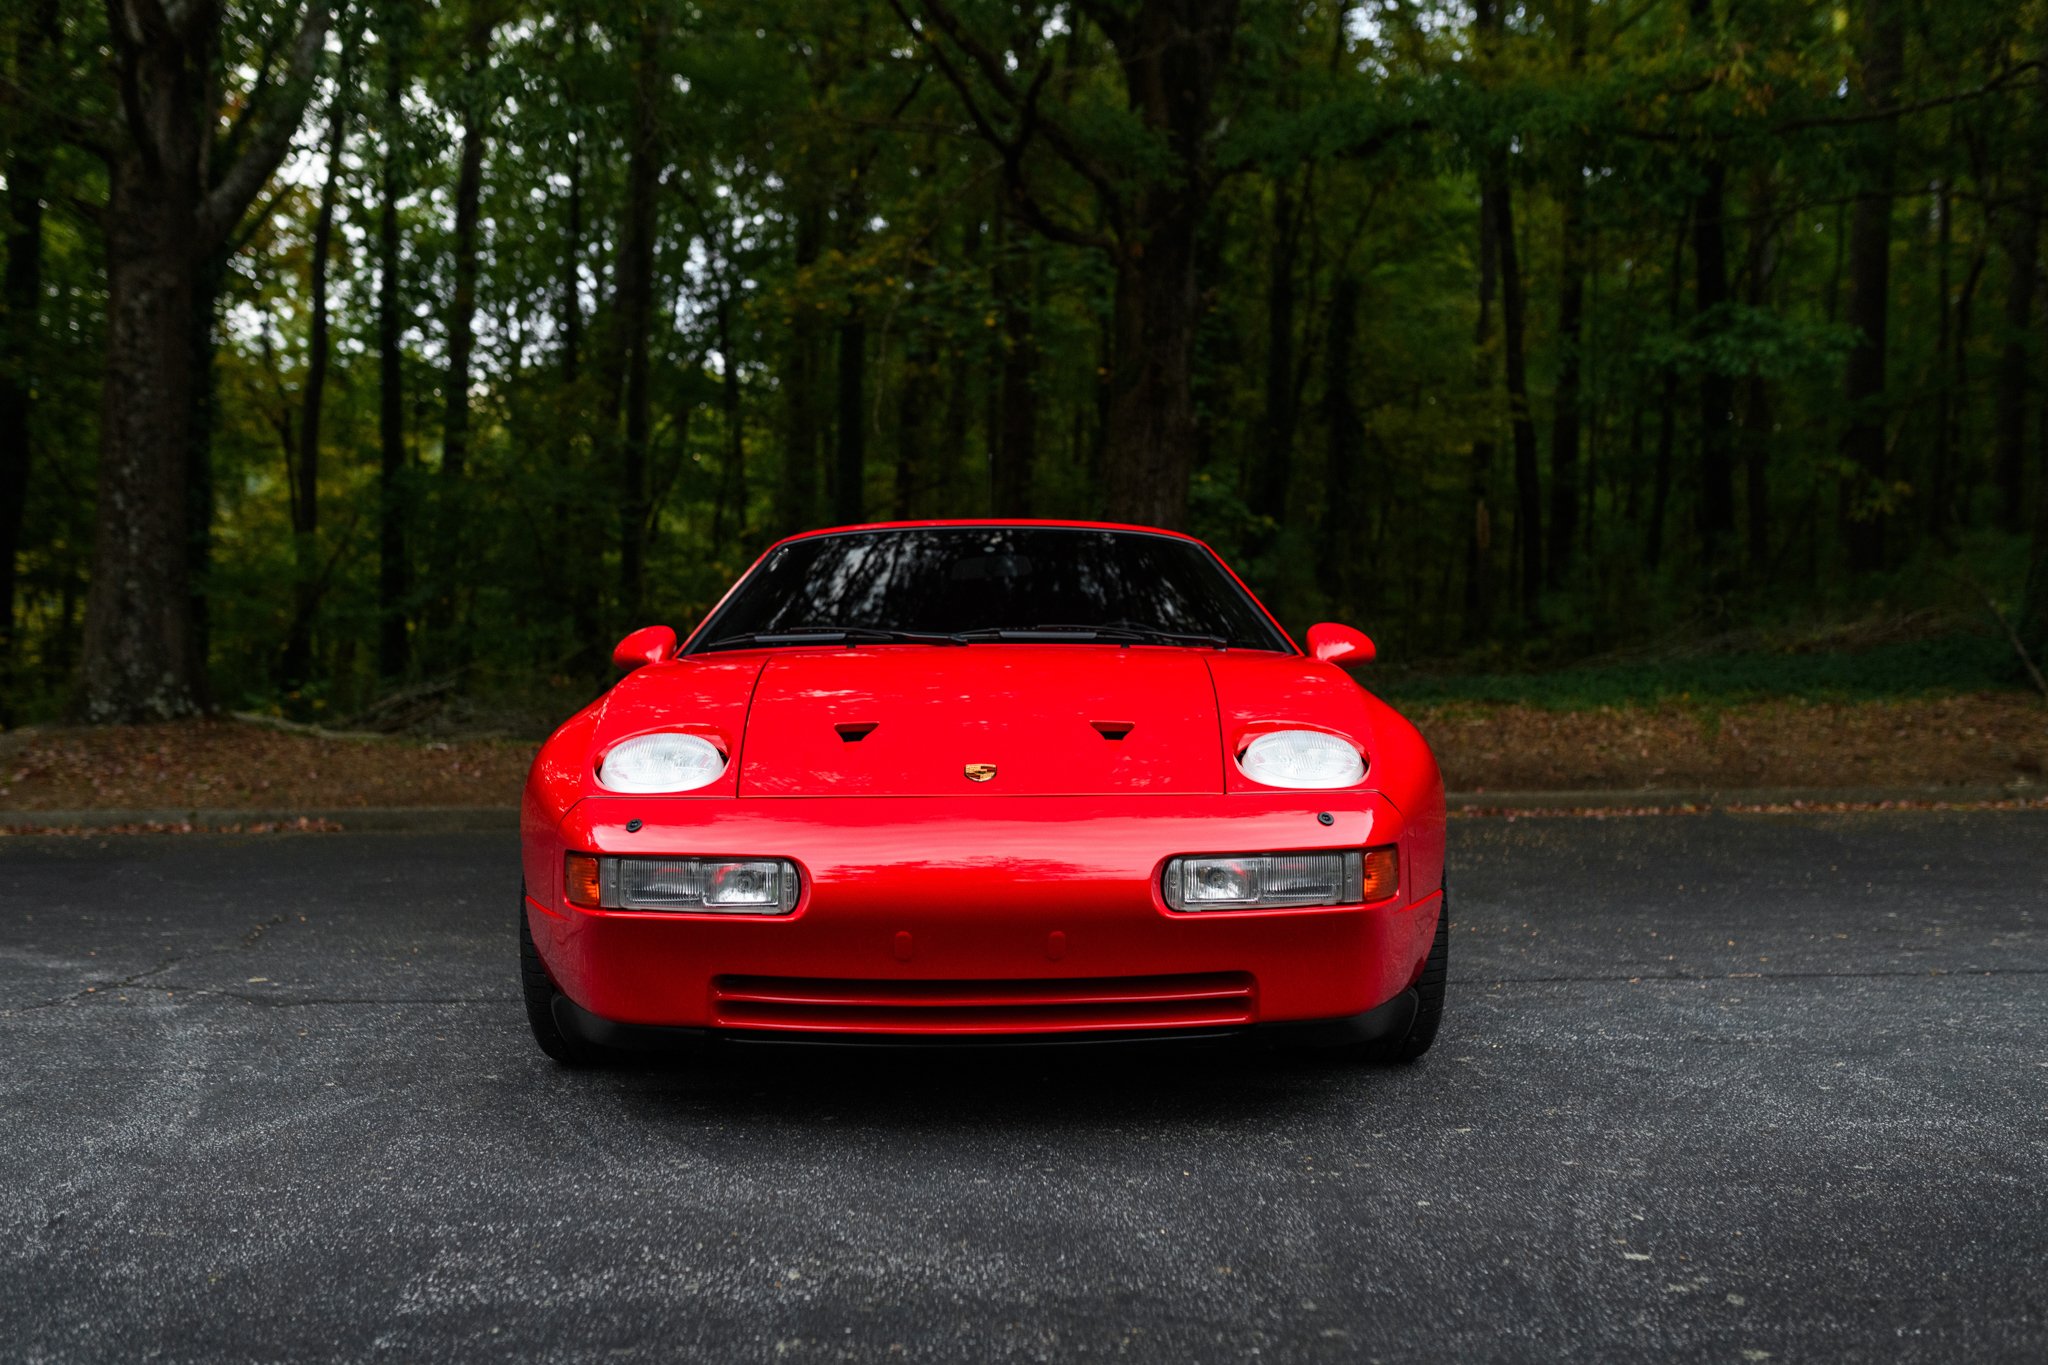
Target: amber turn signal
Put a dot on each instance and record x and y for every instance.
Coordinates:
(579, 877)
(1382, 873)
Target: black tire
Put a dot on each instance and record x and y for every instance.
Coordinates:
(1429, 1012)
(539, 989)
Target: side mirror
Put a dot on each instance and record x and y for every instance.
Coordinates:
(647, 645)
(1340, 645)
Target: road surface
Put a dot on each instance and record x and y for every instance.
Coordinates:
(1727, 1088)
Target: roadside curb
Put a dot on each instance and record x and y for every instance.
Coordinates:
(376, 819)
(1739, 799)
(505, 819)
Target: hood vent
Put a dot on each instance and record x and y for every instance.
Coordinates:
(853, 732)
(1113, 730)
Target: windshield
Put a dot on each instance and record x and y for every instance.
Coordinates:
(940, 583)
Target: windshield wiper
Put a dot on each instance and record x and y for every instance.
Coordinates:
(1179, 637)
(1121, 632)
(830, 635)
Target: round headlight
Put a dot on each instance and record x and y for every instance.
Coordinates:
(1301, 758)
(661, 763)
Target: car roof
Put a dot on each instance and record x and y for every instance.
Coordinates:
(1054, 523)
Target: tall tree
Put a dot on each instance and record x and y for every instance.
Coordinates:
(1521, 424)
(1274, 471)
(451, 530)
(1667, 405)
(634, 321)
(1344, 430)
(1571, 296)
(176, 189)
(394, 570)
(1880, 56)
(850, 457)
(1479, 458)
(2021, 238)
(797, 491)
(21, 294)
(1171, 57)
(1496, 196)
(297, 666)
(1016, 439)
(1758, 415)
(1710, 308)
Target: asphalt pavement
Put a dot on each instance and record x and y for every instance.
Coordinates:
(1717, 1088)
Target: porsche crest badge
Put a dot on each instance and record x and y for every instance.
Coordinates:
(980, 772)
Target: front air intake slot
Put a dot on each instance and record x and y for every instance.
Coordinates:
(1073, 1005)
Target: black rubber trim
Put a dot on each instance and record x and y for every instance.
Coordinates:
(1389, 1020)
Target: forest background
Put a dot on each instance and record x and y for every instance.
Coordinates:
(357, 351)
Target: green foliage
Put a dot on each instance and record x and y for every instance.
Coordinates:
(824, 190)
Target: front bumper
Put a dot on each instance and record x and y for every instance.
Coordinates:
(1000, 918)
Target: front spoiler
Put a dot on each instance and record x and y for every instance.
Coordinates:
(1390, 1019)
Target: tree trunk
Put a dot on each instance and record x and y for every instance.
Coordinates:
(394, 571)
(1528, 479)
(1667, 407)
(572, 270)
(797, 494)
(635, 304)
(452, 521)
(1342, 526)
(732, 472)
(1565, 413)
(1717, 387)
(140, 658)
(1758, 419)
(2022, 242)
(1564, 421)
(1016, 441)
(169, 214)
(851, 458)
(1941, 458)
(297, 668)
(1172, 53)
(1479, 542)
(21, 296)
(577, 585)
(1273, 471)
(1880, 55)
(1149, 454)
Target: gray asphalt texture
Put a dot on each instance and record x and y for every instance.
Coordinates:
(1718, 1088)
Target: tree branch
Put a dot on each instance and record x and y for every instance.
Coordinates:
(127, 52)
(1011, 149)
(991, 67)
(1990, 87)
(229, 200)
(238, 130)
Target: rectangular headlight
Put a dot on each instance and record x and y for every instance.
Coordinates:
(729, 886)
(1251, 881)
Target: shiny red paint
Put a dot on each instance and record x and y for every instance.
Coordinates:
(1335, 644)
(1028, 903)
(647, 645)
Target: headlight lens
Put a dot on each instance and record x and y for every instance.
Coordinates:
(661, 763)
(735, 886)
(1249, 881)
(1301, 758)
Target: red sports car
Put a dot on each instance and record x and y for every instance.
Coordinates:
(998, 781)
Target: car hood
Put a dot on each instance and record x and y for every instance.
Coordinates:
(1074, 720)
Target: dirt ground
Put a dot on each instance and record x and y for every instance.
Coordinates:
(1999, 737)
(1991, 738)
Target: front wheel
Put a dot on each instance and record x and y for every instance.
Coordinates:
(540, 992)
(1429, 1011)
